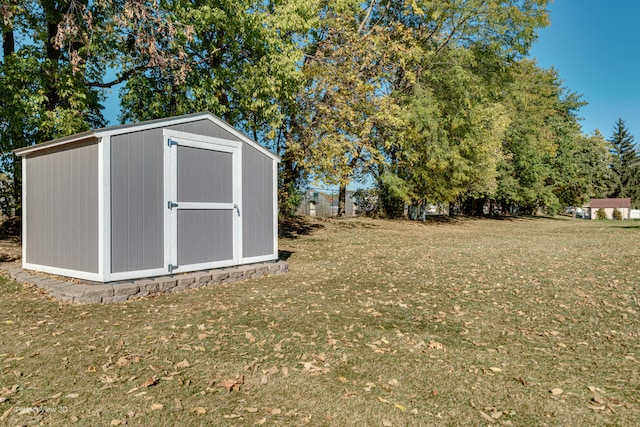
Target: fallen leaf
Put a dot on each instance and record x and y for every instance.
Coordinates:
(386, 423)
(487, 417)
(276, 411)
(198, 410)
(596, 389)
(123, 362)
(6, 414)
(496, 414)
(556, 391)
(394, 383)
(177, 404)
(399, 406)
(183, 364)
(436, 345)
(72, 396)
(231, 385)
(157, 406)
(251, 409)
(150, 382)
(116, 422)
(260, 422)
(383, 400)
(494, 369)
(264, 380)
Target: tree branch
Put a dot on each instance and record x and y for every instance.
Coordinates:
(123, 77)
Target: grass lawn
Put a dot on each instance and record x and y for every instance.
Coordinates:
(468, 322)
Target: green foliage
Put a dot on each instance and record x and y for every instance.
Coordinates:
(289, 197)
(368, 201)
(625, 164)
(432, 100)
(601, 214)
(617, 215)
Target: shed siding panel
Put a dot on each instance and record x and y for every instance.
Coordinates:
(206, 128)
(204, 176)
(137, 201)
(257, 203)
(62, 208)
(204, 236)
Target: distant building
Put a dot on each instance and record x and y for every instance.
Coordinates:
(323, 202)
(609, 205)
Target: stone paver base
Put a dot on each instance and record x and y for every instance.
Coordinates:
(122, 291)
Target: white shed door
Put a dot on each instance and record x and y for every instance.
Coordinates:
(203, 202)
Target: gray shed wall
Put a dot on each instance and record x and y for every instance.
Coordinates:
(206, 128)
(137, 215)
(61, 207)
(257, 203)
(137, 191)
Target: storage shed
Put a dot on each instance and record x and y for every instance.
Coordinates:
(148, 199)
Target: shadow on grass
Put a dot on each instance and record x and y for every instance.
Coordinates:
(284, 255)
(292, 228)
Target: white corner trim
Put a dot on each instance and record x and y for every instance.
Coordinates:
(24, 212)
(104, 208)
(275, 208)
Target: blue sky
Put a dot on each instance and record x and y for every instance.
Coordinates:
(595, 47)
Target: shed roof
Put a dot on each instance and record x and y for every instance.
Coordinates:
(149, 124)
(610, 203)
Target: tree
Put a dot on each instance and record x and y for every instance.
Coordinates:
(625, 165)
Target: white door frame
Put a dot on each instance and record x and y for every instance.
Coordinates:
(172, 139)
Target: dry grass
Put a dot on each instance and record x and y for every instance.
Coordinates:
(471, 322)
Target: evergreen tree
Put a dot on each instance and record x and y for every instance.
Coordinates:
(624, 163)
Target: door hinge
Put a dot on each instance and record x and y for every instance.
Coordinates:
(171, 205)
(171, 267)
(171, 142)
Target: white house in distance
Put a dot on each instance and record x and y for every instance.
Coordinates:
(609, 205)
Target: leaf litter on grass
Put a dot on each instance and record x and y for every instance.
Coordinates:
(377, 322)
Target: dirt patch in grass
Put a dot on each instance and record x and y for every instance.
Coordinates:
(473, 322)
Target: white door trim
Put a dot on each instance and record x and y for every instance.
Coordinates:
(172, 139)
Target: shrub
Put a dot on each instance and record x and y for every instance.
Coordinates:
(617, 214)
(601, 214)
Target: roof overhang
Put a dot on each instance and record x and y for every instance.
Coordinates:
(150, 124)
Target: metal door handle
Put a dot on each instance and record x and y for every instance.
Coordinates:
(236, 208)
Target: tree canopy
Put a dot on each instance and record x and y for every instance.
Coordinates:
(431, 101)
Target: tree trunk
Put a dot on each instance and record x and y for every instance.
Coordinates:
(342, 200)
(8, 44)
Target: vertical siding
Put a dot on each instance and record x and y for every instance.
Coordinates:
(205, 127)
(61, 207)
(204, 176)
(137, 201)
(204, 236)
(257, 203)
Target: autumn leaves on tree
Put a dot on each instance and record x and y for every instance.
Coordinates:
(429, 101)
